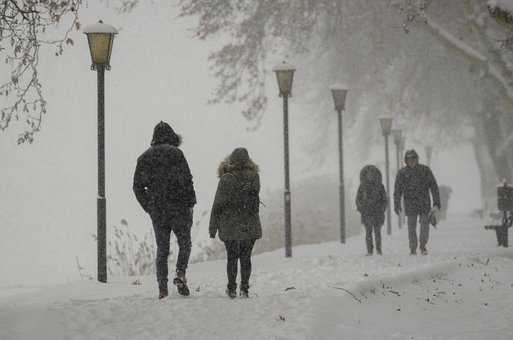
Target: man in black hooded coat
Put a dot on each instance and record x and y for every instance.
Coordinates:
(164, 188)
(415, 181)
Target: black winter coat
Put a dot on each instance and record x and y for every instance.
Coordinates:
(371, 202)
(162, 179)
(415, 184)
(235, 212)
(371, 198)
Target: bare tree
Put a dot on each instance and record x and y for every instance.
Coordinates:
(25, 26)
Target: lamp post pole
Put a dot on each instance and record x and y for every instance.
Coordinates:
(101, 200)
(429, 153)
(339, 93)
(389, 222)
(100, 38)
(342, 208)
(288, 224)
(285, 75)
(397, 141)
(386, 127)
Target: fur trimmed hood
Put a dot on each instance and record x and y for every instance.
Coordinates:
(238, 161)
(164, 134)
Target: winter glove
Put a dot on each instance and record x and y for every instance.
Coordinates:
(212, 235)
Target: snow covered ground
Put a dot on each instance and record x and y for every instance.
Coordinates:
(462, 290)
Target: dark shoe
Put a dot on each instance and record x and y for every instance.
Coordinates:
(181, 285)
(163, 293)
(424, 251)
(379, 252)
(232, 293)
(413, 252)
(244, 293)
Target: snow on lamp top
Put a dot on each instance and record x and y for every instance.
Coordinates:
(100, 27)
(100, 37)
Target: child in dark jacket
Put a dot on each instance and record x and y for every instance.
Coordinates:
(371, 202)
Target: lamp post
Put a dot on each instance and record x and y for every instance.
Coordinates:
(398, 138)
(100, 38)
(429, 153)
(386, 128)
(402, 215)
(285, 76)
(339, 93)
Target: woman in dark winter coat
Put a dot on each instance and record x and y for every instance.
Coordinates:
(235, 215)
(371, 202)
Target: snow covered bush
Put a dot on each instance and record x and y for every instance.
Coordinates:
(127, 255)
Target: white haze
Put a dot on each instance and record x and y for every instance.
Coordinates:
(48, 190)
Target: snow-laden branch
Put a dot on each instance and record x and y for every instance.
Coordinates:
(454, 41)
(470, 52)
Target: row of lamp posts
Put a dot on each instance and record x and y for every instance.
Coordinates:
(285, 75)
(100, 39)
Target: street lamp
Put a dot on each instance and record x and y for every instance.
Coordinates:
(339, 93)
(100, 38)
(386, 129)
(429, 153)
(285, 76)
(398, 138)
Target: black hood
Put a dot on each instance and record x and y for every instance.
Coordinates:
(164, 134)
(370, 174)
(411, 154)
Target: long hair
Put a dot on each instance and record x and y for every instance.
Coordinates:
(237, 161)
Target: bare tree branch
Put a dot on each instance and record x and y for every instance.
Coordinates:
(23, 30)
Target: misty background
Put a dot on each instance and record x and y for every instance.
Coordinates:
(159, 72)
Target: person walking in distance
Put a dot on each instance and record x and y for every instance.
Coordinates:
(235, 216)
(415, 182)
(163, 187)
(371, 202)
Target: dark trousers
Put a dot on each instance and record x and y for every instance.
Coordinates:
(412, 231)
(369, 229)
(502, 236)
(239, 250)
(180, 223)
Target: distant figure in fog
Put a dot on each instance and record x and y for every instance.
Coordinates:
(445, 194)
(163, 186)
(371, 202)
(235, 216)
(415, 181)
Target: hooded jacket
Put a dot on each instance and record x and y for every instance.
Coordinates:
(162, 178)
(235, 211)
(415, 184)
(371, 198)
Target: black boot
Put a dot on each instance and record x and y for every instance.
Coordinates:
(181, 284)
(231, 292)
(244, 291)
(163, 292)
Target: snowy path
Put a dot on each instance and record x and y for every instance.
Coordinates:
(462, 290)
